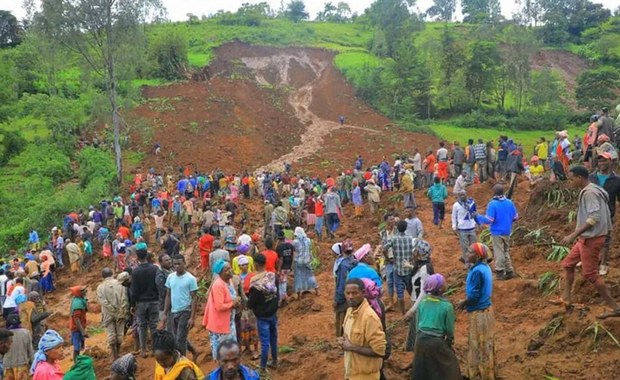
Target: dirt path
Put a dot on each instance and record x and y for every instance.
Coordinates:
(300, 100)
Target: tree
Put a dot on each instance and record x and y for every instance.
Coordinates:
(410, 84)
(519, 44)
(101, 32)
(569, 18)
(395, 20)
(481, 11)
(482, 65)
(9, 30)
(597, 88)
(452, 58)
(296, 11)
(531, 12)
(335, 13)
(545, 89)
(443, 10)
(170, 54)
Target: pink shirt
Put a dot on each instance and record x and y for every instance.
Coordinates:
(218, 308)
(47, 371)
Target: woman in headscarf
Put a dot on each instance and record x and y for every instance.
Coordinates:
(366, 266)
(434, 356)
(247, 329)
(47, 281)
(170, 364)
(219, 315)
(563, 152)
(124, 368)
(422, 269)
(304, 278)
(481, 362)
(45, 363)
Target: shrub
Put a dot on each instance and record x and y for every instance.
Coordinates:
(169, 54)
(96, 165)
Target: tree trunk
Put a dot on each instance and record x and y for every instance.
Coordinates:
(116, 118)
(116, 123)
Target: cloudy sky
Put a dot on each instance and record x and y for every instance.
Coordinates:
(177, 9)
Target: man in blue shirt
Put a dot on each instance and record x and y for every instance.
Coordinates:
(180, 304)
(501, 214)
(341, 270)
(33, 239)
(230, 367)
(478, 290)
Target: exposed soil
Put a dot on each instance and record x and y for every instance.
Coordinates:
(567, 64)
(265, 106)
(260, 105)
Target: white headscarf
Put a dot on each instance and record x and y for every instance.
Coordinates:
(299, 232)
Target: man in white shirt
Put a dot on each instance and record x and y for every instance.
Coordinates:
(414, 224)
(460, 184)
(417, 168)
(463, 221)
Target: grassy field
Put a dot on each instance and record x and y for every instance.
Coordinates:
(526, 138)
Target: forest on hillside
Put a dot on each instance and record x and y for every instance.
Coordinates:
(68, 77)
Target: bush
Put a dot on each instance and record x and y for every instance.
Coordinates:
(96, 165)
(169, 54)
(43, 161)
(11, 144)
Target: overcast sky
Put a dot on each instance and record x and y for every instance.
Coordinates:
(177, 9)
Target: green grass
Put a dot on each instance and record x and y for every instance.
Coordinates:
(528, 139)
(30, 128)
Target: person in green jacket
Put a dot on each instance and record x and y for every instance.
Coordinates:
(438, 194)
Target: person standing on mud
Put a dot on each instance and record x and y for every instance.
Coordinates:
(180, 304)
(608, 180)
(414, 224)
(593, 226)
(333, 210)
(500, 215)
(402, 246)
(145, 298)
(342, 268)
(458, 158)
(112, 297)
(364, 349)
(464, 223)
(481, 337)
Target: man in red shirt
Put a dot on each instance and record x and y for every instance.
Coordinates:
(318, 210)
(123, 230)
(271, 256)
(205, 245)
(429, 165)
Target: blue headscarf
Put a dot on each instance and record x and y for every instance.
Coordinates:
(51, 339)
(219, 266)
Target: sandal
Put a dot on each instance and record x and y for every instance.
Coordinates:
(609, 314)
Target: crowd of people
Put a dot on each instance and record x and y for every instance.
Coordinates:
(150, 240)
